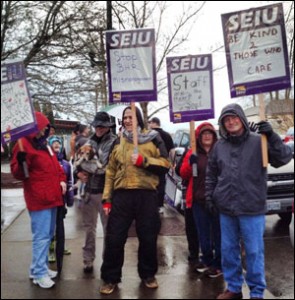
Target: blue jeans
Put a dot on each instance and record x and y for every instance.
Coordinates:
(42, 226)
(208, 228)
(250, 229)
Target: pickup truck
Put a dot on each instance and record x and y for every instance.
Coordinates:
(280, 193)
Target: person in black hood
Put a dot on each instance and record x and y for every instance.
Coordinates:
(155, 124)
(236, 185)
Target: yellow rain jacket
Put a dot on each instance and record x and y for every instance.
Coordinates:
(121, 173)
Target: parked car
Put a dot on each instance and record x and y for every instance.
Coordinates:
(280, 193)
(291, 226)
(289, 135)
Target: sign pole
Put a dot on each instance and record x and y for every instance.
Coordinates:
(193, 146)
(263, 136)
(134, 127)
(25, 166)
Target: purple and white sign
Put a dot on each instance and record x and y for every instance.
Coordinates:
(190, 87)
(17, 113)
(256, 50)
(131, 61)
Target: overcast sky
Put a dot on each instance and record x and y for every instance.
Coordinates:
(206, 36)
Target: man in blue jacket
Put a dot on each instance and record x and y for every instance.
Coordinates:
(236, 186)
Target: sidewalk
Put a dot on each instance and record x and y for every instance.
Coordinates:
(12, 201)
(176, 279)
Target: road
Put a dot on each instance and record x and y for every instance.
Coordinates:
(279, 258)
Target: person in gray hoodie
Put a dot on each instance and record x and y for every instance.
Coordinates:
(236, 186)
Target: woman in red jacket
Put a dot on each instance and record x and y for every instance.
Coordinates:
(43, 190)
(206, 221)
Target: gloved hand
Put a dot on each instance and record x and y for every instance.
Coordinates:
(21, 157)
(107, 207)
(211, 207)
(253, 126)
(193, 159)
(265, 128)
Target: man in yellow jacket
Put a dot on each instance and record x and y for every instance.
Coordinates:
(130, 193)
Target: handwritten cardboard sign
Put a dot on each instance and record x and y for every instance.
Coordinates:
(256, 50)
(17, 114)
(131, 65)
(190, 87)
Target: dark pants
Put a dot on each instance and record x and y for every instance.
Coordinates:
(161, 190)
(129, 205)
(191, 235)
(208, 227)
(60, 236)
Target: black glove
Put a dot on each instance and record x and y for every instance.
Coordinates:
(211, 207)
(253, 126)
(265, 128)
(193, 159)
(21, 157)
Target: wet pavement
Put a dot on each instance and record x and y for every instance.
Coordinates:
(176, 277)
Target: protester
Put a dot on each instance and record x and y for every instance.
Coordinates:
(43, 189)
(190, 226)
(130, 193)
(81, 137)
(56, 144)
(207, 224)
(155, 124)
(75, 133)
(101, 141)
(52, 130)
(236, 185)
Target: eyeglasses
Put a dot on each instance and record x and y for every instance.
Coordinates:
(230, 118)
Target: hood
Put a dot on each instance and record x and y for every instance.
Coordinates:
(55, 138)
(143, 136)
(201, 128)
(42, 122)
(232, 109)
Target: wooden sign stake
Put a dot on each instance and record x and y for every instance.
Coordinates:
(134, 127)
(25, 166)
(263, 136)
(193, 146)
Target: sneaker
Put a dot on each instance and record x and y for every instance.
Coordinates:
(213, 272)
(201, 267)
(51, 257)
(67, 252)
(44, 282)
(107, 288)
(161, 210)
(51, 274)
(151, 283)
(230, 295)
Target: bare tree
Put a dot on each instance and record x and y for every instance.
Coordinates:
(139, 14)
(54, 39)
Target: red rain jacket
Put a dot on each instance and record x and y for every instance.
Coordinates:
(42, 189)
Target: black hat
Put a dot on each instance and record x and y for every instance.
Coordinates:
(102, 119)
(155, 120)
